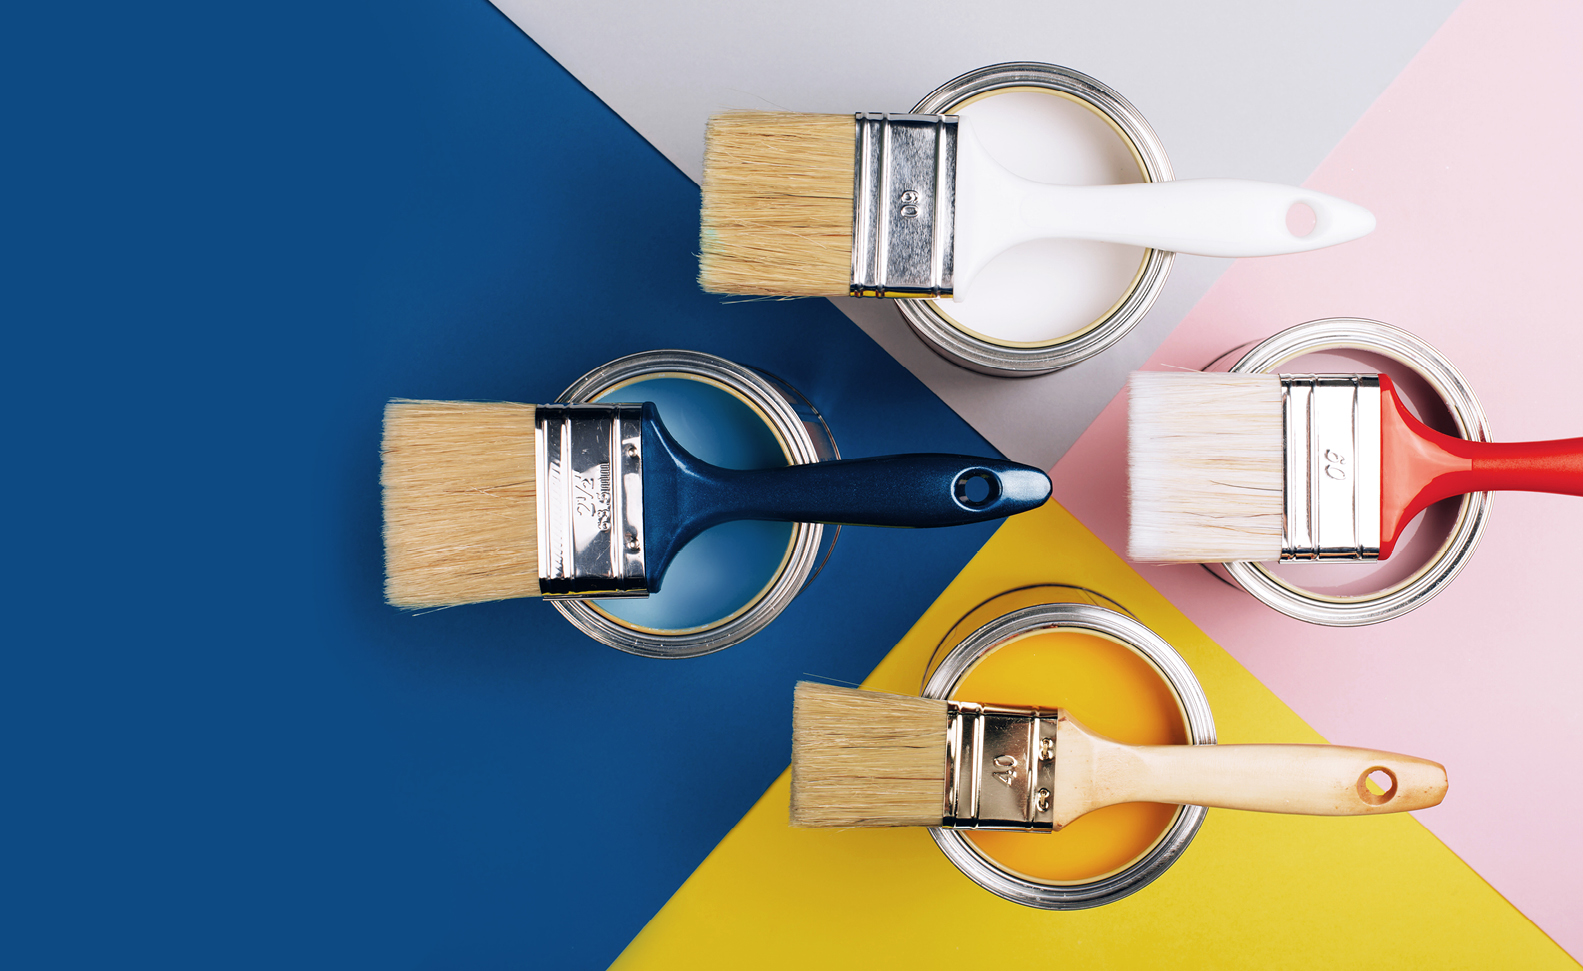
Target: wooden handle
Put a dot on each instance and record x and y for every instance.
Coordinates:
(1313, 780)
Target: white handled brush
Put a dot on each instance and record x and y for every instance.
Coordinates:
(913, 206)
(864, 758)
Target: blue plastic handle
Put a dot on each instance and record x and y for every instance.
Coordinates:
(683, 495)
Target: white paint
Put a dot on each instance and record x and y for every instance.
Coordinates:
(1043, 291)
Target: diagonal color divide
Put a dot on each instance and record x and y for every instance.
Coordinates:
(1259, 91)
(1466, 160)
(1252, 891)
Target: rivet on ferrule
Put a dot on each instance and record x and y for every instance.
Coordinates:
(1000, 767)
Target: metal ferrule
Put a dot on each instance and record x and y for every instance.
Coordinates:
(1332, 467)
(589, 471)
(1000, 767)
(903, 205)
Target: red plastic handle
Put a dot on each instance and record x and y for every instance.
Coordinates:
(1420, 466)
(1555, 466)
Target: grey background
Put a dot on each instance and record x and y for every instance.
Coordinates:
(1253, 90)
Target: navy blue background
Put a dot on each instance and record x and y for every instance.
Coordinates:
(231, 233)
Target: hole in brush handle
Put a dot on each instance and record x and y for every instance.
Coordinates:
(1383, 779)
(977, 488)
(1301, 220)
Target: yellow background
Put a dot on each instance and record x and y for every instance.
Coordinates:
(1252, 891)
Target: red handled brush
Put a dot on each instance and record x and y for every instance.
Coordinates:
(1303, 467)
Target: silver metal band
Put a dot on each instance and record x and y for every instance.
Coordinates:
(589, 468)
(1000, 767)
(1332, 467)
(904, 205)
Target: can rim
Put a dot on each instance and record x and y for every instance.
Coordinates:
(1411, 351)
(1200, 731)
(989, 357)
(803, 551)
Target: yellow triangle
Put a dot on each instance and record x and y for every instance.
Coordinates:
(1252, 891)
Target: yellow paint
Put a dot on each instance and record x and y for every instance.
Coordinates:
(1255, 891)
(1112, 690)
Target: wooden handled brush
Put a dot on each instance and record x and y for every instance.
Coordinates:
(1327, 467)
(913, 206)
(864, 758)
(491, 500)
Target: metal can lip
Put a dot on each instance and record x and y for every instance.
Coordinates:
(955, 665)
(790, 419)
(1361, 334)
(986, 356)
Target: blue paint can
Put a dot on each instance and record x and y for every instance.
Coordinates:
(731, 581)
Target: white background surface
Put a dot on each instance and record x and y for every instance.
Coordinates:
(1251, 90)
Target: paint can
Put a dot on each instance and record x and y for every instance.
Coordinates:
(1047, 305)
(1120, 679)
(731, 581)
(1433, 549)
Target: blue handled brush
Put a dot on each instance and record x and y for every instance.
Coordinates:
(493, 500)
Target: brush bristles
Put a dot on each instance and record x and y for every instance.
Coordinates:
(777, 211)
(1206, 461)
(865, 758)
(460, 517)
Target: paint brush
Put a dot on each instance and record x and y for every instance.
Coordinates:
(1327, 467)
(865, 758)
(913, 206)
(492, 500)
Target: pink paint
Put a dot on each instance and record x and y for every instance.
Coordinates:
(1470, 162)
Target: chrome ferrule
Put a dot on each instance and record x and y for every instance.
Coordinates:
(1332, 467)
(589, 472)
(903, 205)
(1000, 767)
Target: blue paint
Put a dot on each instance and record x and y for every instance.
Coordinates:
(727, 567)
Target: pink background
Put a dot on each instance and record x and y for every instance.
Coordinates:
(1469, 160)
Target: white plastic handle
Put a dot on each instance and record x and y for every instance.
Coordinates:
(996, 210)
